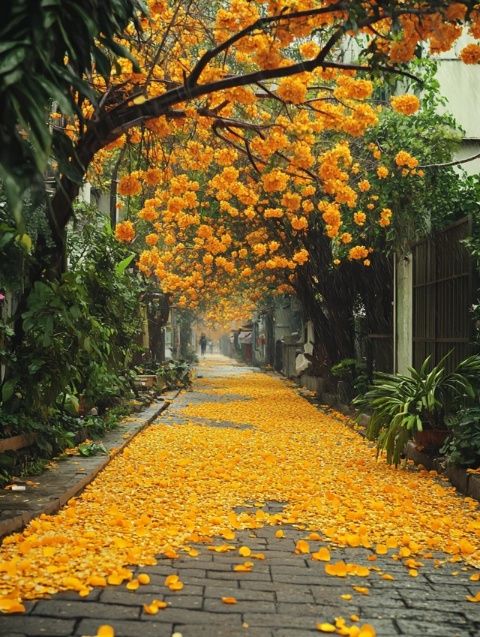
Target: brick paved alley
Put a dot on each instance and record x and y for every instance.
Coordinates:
(285, 595)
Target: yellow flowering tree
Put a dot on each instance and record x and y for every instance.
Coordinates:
(264, 79)
(201, 63)
(316, 221)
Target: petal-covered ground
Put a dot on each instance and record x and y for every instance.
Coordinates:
(250, 439)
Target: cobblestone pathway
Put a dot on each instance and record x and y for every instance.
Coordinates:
(286, 595)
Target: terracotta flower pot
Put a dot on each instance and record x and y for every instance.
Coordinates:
(430, 440)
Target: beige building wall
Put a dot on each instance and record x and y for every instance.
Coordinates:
(460, 84)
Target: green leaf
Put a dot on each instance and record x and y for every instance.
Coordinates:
(25, 241)
(12, 60)
(123, 265)
(8, 388)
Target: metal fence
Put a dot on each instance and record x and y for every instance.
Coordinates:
(442, 296)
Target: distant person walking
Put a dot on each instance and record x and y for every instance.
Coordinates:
(203, 344)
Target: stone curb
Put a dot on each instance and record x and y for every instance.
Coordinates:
(465, 483)
(67, 479)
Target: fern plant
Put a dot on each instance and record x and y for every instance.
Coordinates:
(402, 405)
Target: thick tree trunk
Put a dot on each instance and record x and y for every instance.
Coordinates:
(331, 312)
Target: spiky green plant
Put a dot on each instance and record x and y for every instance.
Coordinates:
(402, 405)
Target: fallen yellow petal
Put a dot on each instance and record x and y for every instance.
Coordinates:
(171, 579)
(323, 554)
(337, 569)
(326, 628)
(243, 568)
(302, 546)
(176, 586)
(361, 589)
(8, 605)
(229, 600)
(96, 580)
(143, 578)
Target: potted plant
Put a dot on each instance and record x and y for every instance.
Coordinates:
(415, 406)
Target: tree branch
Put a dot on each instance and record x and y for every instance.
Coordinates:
(452, 163)
(258, 24)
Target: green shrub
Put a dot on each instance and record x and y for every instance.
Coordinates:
(403, 405)
(175, 374)
(462, 446)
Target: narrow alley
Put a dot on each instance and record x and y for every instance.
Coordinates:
(244, 510)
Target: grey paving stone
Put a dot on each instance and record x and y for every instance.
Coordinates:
(431, 629)
(295, 594)
(240, 593)
(281, 549)
(36, 626)
(410, 585)
(331, 594)
(185, 573)
(242, 606)
(54, 608)
(193, 602)
(291, 632)
(472, 616)
(204, 566)
(384, 627)
(235, 575)
(446, 592)
(278, 620)
(126, 628)
(193, 630)
(234, 558)
(409, 614)
(448, 580)
(183, 616)
(437, 605)
(285, 560)
(205, 556)
(261, 585)
(315, 580)
(315, 609)
(300, 570)
(128, 598)
(196, 583)
(75, 597)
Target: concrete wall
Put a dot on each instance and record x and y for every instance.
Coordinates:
(404, 314)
